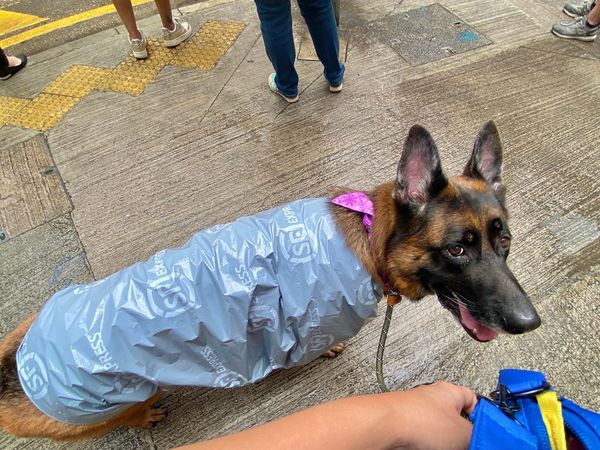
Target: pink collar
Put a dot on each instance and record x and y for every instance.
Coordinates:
(359, 202)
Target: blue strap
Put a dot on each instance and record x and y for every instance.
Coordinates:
(527, 383)
(582, 423)
(493, 430)
(521, 381)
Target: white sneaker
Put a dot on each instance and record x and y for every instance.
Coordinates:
(275, 89)
(180, 33)
(139, 47)
(336, 89)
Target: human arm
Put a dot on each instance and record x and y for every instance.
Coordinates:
(426, 417)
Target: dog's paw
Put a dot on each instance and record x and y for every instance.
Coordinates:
(148, 418)
(335, 350)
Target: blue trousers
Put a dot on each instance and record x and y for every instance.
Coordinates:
(276, 26)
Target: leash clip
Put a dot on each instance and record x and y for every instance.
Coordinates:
(504, 393)
(393, 297)
(504, 399)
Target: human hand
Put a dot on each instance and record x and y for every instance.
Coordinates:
(431, 416)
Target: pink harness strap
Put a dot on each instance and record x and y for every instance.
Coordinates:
(359, 202)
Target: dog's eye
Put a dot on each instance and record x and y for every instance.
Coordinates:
(456, 251)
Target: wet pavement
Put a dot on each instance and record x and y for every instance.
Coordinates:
(113, 174)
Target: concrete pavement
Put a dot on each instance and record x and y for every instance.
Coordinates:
(119, 176)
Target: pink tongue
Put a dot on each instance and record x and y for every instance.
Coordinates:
(482, 332)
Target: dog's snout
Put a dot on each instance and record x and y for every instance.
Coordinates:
(522, 321)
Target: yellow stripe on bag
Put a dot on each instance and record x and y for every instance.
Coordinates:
(552, 414)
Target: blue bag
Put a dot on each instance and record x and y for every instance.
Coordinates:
(524, 412)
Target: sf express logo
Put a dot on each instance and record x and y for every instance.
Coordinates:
(33, 373)
(230, 380)
(297, 243)
(317, 340)
(225, 377)
(172, 293)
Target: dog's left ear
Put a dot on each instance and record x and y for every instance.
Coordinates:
(486, 159)
(420, 175)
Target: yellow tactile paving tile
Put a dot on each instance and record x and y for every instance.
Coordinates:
(13, 21)
(202, 52)
(77, 81)
(44, 111)
(10, 107)
(132, 75)
(205, 49)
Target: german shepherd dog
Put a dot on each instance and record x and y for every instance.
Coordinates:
(430, 235)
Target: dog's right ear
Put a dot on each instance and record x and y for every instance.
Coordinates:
(420, 176)
(486, 160)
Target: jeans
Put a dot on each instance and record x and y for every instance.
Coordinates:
(3, 60)
(276, 26)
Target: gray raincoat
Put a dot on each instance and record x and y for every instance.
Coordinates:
(269, 291)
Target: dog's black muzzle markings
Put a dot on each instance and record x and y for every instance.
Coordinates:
(488, 299)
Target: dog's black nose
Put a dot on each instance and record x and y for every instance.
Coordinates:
(522, 321)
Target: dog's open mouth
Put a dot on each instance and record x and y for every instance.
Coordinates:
(476, 330)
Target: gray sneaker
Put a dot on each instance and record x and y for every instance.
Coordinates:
(575, 30)
(139, 47)
(180, 33)
(578, 9)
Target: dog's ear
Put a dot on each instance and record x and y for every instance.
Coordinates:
(486, 159)
(420, 175)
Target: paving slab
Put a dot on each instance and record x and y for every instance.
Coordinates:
(31, 191)
(42, 261)
(11, 136)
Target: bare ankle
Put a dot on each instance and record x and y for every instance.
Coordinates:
(137, 35)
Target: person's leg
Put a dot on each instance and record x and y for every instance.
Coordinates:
(125, 11)
(137, 40)
(320, 20)
(175, 31)
(164, 11)
(3, 60)
(276, 26)
(583, 28)
(593, 17)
